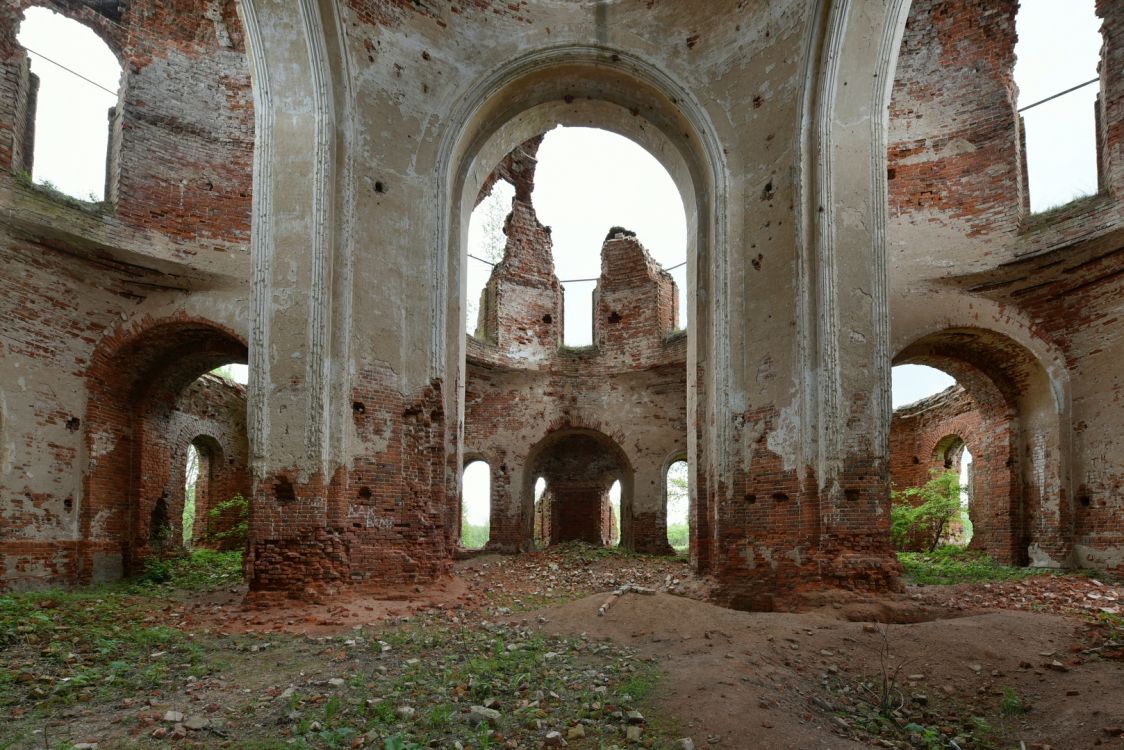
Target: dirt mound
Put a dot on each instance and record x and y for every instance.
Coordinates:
(780, 680)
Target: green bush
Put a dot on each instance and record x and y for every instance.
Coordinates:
(237, 534)
(920, 515)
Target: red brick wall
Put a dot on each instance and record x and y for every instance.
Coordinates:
(522, 387)
(87, 399)
(920, 432)
(954, 142)
(211, 415)
(185, 146)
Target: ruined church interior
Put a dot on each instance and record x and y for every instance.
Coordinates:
(320, 429)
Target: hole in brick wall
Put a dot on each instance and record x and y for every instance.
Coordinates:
(379, 186)
(548, 319)
(364, 493)
(476, 505)
(541, 533)
(852, 494)
(1060, 136)
(891, 173)
(159, 526)
(283, 491)
(68, 504)
(750, 498)
(1085, 500)
(358, 407)
(614, 317)
(73, 424)
(916, 460)
(780, 497)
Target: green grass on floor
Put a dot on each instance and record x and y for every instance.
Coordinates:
(951, 564)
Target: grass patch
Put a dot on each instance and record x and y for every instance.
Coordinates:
(1012, 704)
(952, 564)
(200, 570)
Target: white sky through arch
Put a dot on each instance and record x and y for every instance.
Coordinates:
(71, 124)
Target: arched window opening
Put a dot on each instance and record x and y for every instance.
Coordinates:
(930, 500)
(209, 418)
(190, 491)
(678, 522)
(965, 497)
(69, 102)
(612, 528)
(476, 505)
(1058, 50)
(542, 514)
(586, 181)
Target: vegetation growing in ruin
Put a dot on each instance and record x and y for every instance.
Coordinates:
(920, 516)
(951, 564)
(236, 509)
(422, 681)
(678, 532)
(92, 204)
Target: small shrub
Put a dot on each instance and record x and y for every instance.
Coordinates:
(239, 508)
(157, 570)
(1012, 703)
(920, 515)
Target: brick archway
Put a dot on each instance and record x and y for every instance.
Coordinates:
(130, 479)
(579, 466)
(1005, 409)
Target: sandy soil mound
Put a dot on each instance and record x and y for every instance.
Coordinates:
(759, 680)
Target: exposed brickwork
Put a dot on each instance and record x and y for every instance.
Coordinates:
(960, 221)
(920, 442)
(211, 415)
(368, 524)
(955, 148)
(183, 135)
(525, 391)
(109, 317)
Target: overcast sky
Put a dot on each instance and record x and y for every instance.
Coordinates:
(589, 180)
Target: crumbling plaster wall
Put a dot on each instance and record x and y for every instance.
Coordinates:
(77, 281)
(399, 112)
(965, 254)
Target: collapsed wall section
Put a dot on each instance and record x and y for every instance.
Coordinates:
(524, 389)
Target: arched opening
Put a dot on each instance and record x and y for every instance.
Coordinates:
(988, 419)
(578, 88)
(154, 396)
(69, 98)
(587, 488)
(611, 525)
(585, 181)
(476, 504)
(678, 505)
(542, 514)
(198, 467)
(1056, 71)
